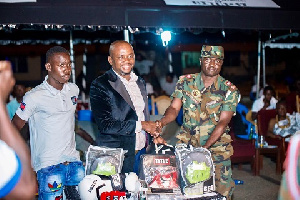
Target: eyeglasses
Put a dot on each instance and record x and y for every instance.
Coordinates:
(123, 57)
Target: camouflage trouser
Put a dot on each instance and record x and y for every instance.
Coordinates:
(224, 181)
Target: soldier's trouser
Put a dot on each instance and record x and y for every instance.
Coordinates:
(224, 181)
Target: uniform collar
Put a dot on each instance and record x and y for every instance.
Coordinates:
(53, 90)
(215, 84)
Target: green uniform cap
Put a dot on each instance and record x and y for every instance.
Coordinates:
(212, 52)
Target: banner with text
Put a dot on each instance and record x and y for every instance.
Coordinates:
(235, 3)
(16, 1)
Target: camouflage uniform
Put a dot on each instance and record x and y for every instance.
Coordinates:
(201, 110)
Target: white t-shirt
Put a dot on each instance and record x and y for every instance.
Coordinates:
(50, 113)
(169, 88)
(259, 104)
(143, 66)
(10, 169)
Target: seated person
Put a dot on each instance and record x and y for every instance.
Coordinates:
(142, 64)
(18, 93)
(149, 87)
(284, 125)
(168, 83)
(291, 97)
(265, 102)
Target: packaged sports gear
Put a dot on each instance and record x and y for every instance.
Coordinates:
(197, 172)
(160, 172)
(118, 182)
(104, 161)
(131, 181)
(92, 186)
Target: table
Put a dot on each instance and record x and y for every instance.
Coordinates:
(213, 196)
(260, 151)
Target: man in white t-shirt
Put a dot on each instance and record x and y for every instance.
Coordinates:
(17, 179)
(49, 109)
(143, 65)
(265, 102)
(168, 83)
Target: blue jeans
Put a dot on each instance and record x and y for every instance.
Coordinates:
(52, 179)
(138, 159)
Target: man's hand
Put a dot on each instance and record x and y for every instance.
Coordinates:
(159, 126)
(7, 79)
(159, 140)
(151, 128)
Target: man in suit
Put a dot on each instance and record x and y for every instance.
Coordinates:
(120, 106)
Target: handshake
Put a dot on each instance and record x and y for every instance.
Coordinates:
(155, 130)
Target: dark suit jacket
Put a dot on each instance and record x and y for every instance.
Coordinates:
(115, 115)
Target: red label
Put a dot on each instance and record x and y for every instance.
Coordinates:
(162, 161)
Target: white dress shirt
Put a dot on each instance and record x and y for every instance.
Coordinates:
(139, 105)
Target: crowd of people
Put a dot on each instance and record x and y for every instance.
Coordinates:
(119, 102)
(287, 120)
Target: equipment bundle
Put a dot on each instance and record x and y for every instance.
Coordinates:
(165, 172)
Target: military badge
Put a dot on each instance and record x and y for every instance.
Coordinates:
(227, 83)
(196, 93)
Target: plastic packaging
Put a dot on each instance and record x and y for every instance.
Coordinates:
(104, 161)
(160, 172)
(196, 169)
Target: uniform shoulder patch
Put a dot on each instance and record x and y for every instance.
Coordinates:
(230, 86)
(228, 83)
(187, 76)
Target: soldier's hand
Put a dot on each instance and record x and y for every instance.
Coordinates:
(7, 79)
(150, 127)
(159, 126)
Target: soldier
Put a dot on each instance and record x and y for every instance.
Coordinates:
(209, 102)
